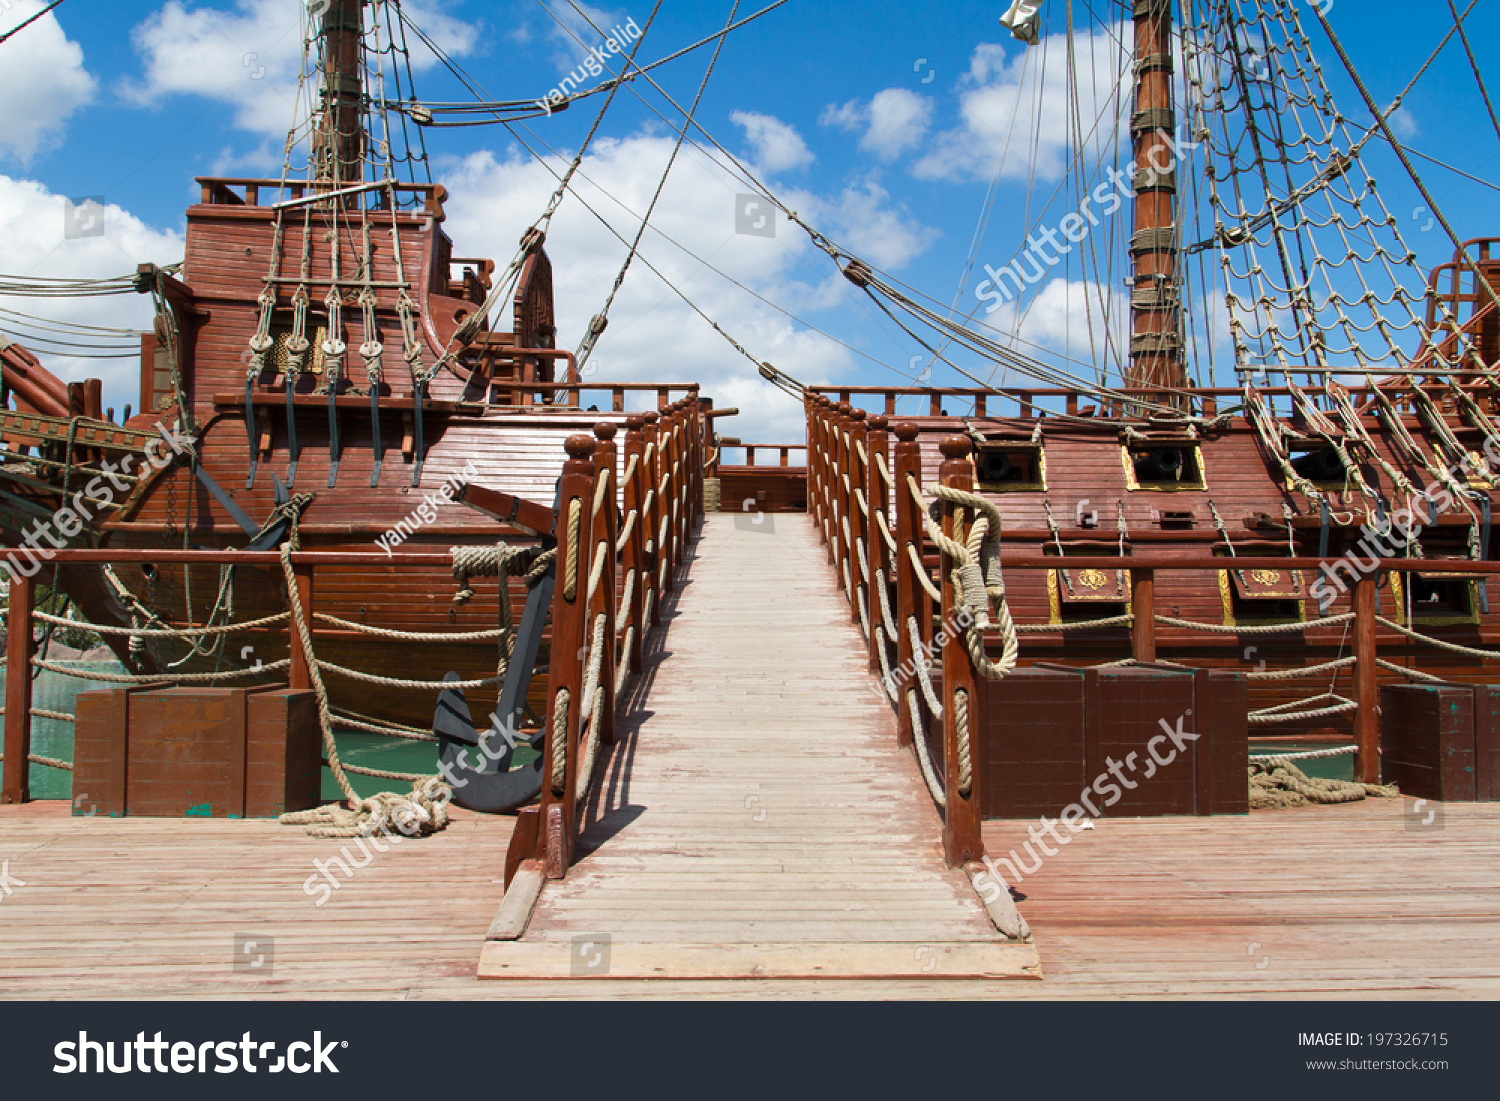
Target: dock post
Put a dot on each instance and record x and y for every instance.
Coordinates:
(18, 647)
(634, 498)
(880, 562)
(603, 543)
(298, 676)
(912, 600)
(962, 748)
(1366, 684)
(1142, 607)
(569, 605)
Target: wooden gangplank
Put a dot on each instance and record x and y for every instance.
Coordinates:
(757, 819)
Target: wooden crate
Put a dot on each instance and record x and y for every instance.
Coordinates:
(1050, 732)
(1427, 739)
(196, 752)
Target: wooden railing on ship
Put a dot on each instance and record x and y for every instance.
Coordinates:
(857, 479)
(662, 501)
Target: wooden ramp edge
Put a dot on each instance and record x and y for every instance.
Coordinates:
(560, 959)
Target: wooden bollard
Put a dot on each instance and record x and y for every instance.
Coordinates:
(961, 820)
(569, 608)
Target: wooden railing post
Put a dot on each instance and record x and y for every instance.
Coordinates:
(18, 647)
(651, 517)
(817, 463)
(875, 547)
(961, 819)
(635, 558)
(298, 676)
(1366, 685)
(569, 607)
(671, 439)
(605, 531)
(858, 522)
(911, 598)
(843, 542)
(1143, 607)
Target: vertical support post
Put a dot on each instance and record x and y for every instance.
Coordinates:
(555, 838)
(670, 423)
(911, 599)
(635, 558)
(816, 459)
(1366, 686)
(858, 523)
(605, 532)
(1142, 606)
(880, 561)
(18, 647)
(651, 517)
(961, 744)
(842, 542)
(298, 676)
(696, 453)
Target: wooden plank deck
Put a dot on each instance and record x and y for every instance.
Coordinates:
(1342, 901)
(758, 818)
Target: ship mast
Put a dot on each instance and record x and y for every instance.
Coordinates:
(338, 147)
(1155, 346)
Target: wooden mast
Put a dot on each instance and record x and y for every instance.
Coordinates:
(339, 137)
(1155, 346)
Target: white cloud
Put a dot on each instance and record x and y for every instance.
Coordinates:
(33, 243)
(653, 335)
(250, 56)
(862, 220)
(1404, 124)
(894, 121)
(42, 81)
(777, 146)
(1015, 110)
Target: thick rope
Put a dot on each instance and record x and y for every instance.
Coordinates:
(1308, 671)
(1076, 625)
(428, 799)
(1280, 714)
(147, 678)
(395, 682)
(622, 671)
(919, 659)
(923, 577)
(961, 723)
(1305, 755)
(1263, 629)
(560, 741)
(193, 632)
(1280, 784)
(50, 762)
(1451, 647)
(570, 554)
(1414, 674)
(411, 636)
(593, 711)
(924, 756)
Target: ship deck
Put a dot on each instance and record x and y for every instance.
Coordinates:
(1320, 902)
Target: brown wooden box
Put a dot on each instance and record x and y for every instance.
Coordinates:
(772, 488)
(196, 752)
(1427, 739)
(1051, 732)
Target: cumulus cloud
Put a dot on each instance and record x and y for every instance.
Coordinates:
(777, 145)
(893, 121)
(1014, 105)
(653, 335)
(42, 82)
(249, 56)
(34, 244)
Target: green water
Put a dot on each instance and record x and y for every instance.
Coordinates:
(54, 738)
(1329, 768)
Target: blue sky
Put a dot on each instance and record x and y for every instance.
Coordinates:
(866, 118)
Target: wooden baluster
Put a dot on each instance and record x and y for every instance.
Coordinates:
(1143, 607)
(841, 502)
(880, 563)
(911, 598)
(785, 456)
(695, 468)
(817, 463)
(18, 649)
(635, 494)
(651, 471)
(605, 531)
(1366, 684)
(961, 837)
(566, 671)
(298, 676)
(671, 502)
